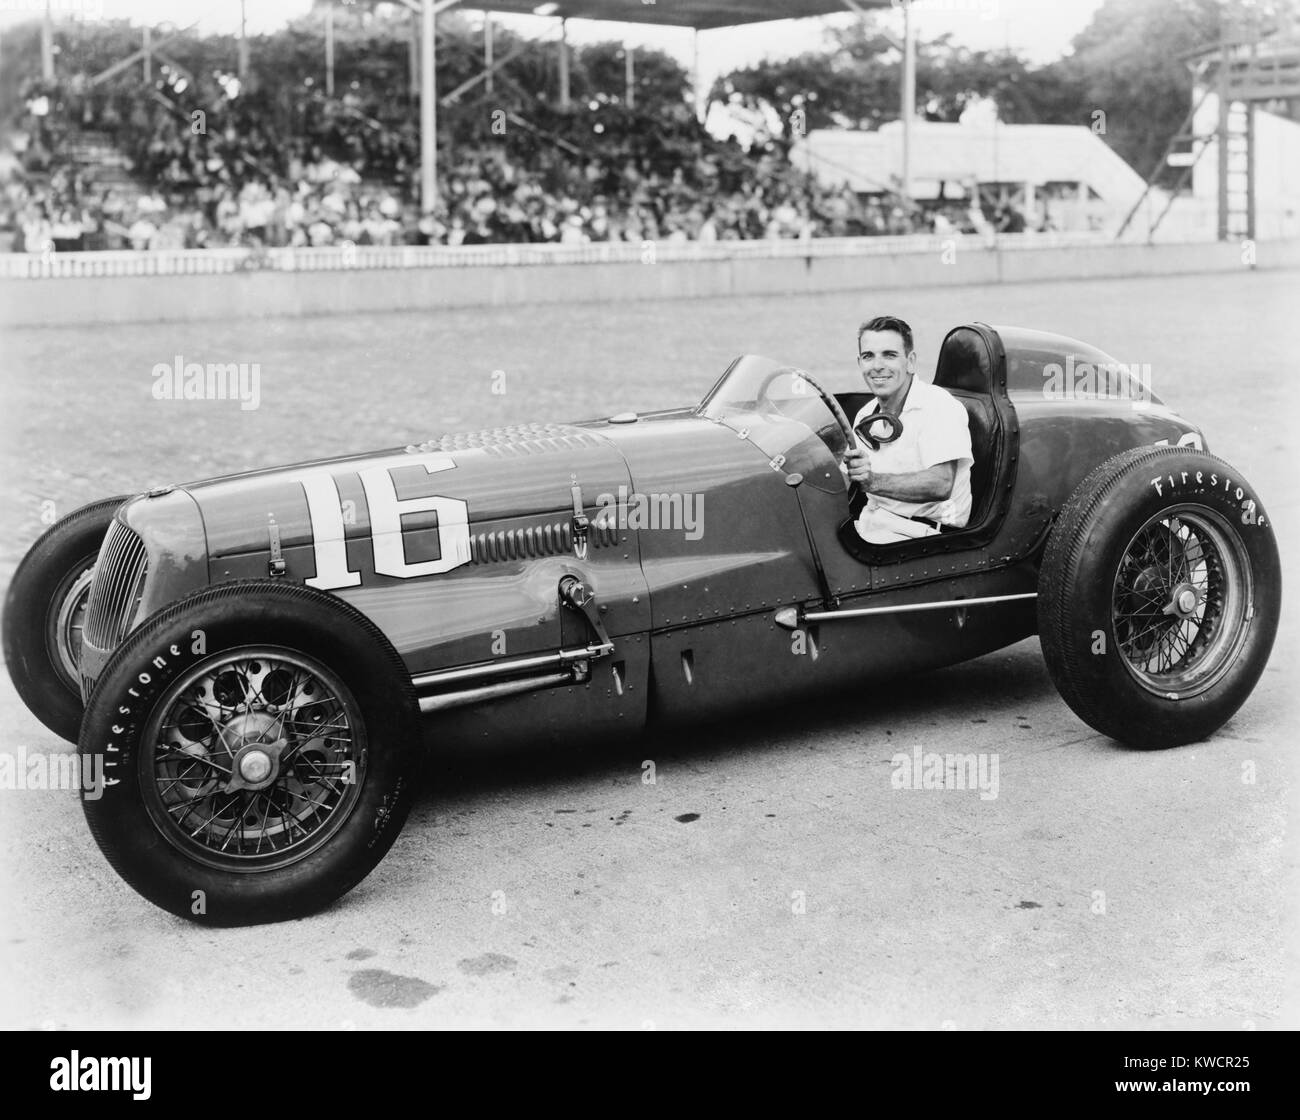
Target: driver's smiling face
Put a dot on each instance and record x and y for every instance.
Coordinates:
(886, 367)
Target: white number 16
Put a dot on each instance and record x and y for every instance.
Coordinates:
(386, 512)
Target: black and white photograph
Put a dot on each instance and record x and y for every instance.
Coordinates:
(650, 515)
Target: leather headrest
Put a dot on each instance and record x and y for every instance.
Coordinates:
(965, 362)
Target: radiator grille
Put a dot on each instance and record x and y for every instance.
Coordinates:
(117, 587)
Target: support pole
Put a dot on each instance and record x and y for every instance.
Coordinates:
(629, 75)
(1250, 170)
(329, 49)
(1221, 135)
(907, 107)
(47, 44)
(428, 114)
(414, 43)
(564, 64)
(701, 108)
(147, 47)
(243, 41)
(487, 52)
(1250, 131)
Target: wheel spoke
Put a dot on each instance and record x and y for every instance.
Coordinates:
(236, 822)
(304, 797)
(183, 756)
(261, 831)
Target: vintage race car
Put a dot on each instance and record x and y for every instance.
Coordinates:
(262, 657)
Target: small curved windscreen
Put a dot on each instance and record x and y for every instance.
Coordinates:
(778, 410)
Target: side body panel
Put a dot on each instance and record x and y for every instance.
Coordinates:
(739, 545)
(749, 662)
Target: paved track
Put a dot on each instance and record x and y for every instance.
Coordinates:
(564, 891)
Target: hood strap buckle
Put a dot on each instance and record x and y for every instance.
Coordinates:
(581, 523)
(275, 565)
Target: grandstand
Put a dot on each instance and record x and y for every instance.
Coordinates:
(165, 151)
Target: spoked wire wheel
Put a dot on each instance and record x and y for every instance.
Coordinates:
(253, 759)
(1182, 601)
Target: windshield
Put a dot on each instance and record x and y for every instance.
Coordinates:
(776, 408)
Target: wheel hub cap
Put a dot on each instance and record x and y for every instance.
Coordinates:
(255, 748)
(255, 766)
(1184, 601)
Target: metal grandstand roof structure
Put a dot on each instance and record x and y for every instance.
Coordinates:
(700, 15)
(703, 15)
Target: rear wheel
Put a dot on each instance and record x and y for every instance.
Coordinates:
(257, 743)
(45, 611)
(1159, 596)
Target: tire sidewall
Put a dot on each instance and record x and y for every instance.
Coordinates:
(127, 697)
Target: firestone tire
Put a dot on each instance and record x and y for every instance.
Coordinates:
(1159, 596)
(44, 608)
(258, 744)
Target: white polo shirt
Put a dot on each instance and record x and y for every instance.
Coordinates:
(935, 430)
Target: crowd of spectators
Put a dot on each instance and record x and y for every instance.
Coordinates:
(340, 170)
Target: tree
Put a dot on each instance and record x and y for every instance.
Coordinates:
(949, 78)
(1130, 63)
(851, 83)
(855, 82)
(1143, 91)
(599, 75)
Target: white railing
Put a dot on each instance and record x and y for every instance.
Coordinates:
(207, 262)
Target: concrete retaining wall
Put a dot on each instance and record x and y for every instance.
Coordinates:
(83, 300)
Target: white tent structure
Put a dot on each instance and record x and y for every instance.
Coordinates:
(1068, 168)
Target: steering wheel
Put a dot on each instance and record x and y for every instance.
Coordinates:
(892, 422)
(841, 417)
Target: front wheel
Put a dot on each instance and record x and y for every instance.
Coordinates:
(1159, 596)
(256, 742)
(45, 612)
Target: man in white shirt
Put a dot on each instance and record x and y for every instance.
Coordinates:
(921, 481)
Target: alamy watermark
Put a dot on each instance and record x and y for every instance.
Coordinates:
(1114, 381)
(44, 770)
(929, 770)
(676, 512)
(113, 1075)
(215, 381)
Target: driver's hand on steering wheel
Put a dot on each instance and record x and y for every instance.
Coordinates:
(857, 465)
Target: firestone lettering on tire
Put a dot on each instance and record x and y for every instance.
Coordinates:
(1212, 481)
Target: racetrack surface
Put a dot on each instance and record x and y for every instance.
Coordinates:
(771, 875)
